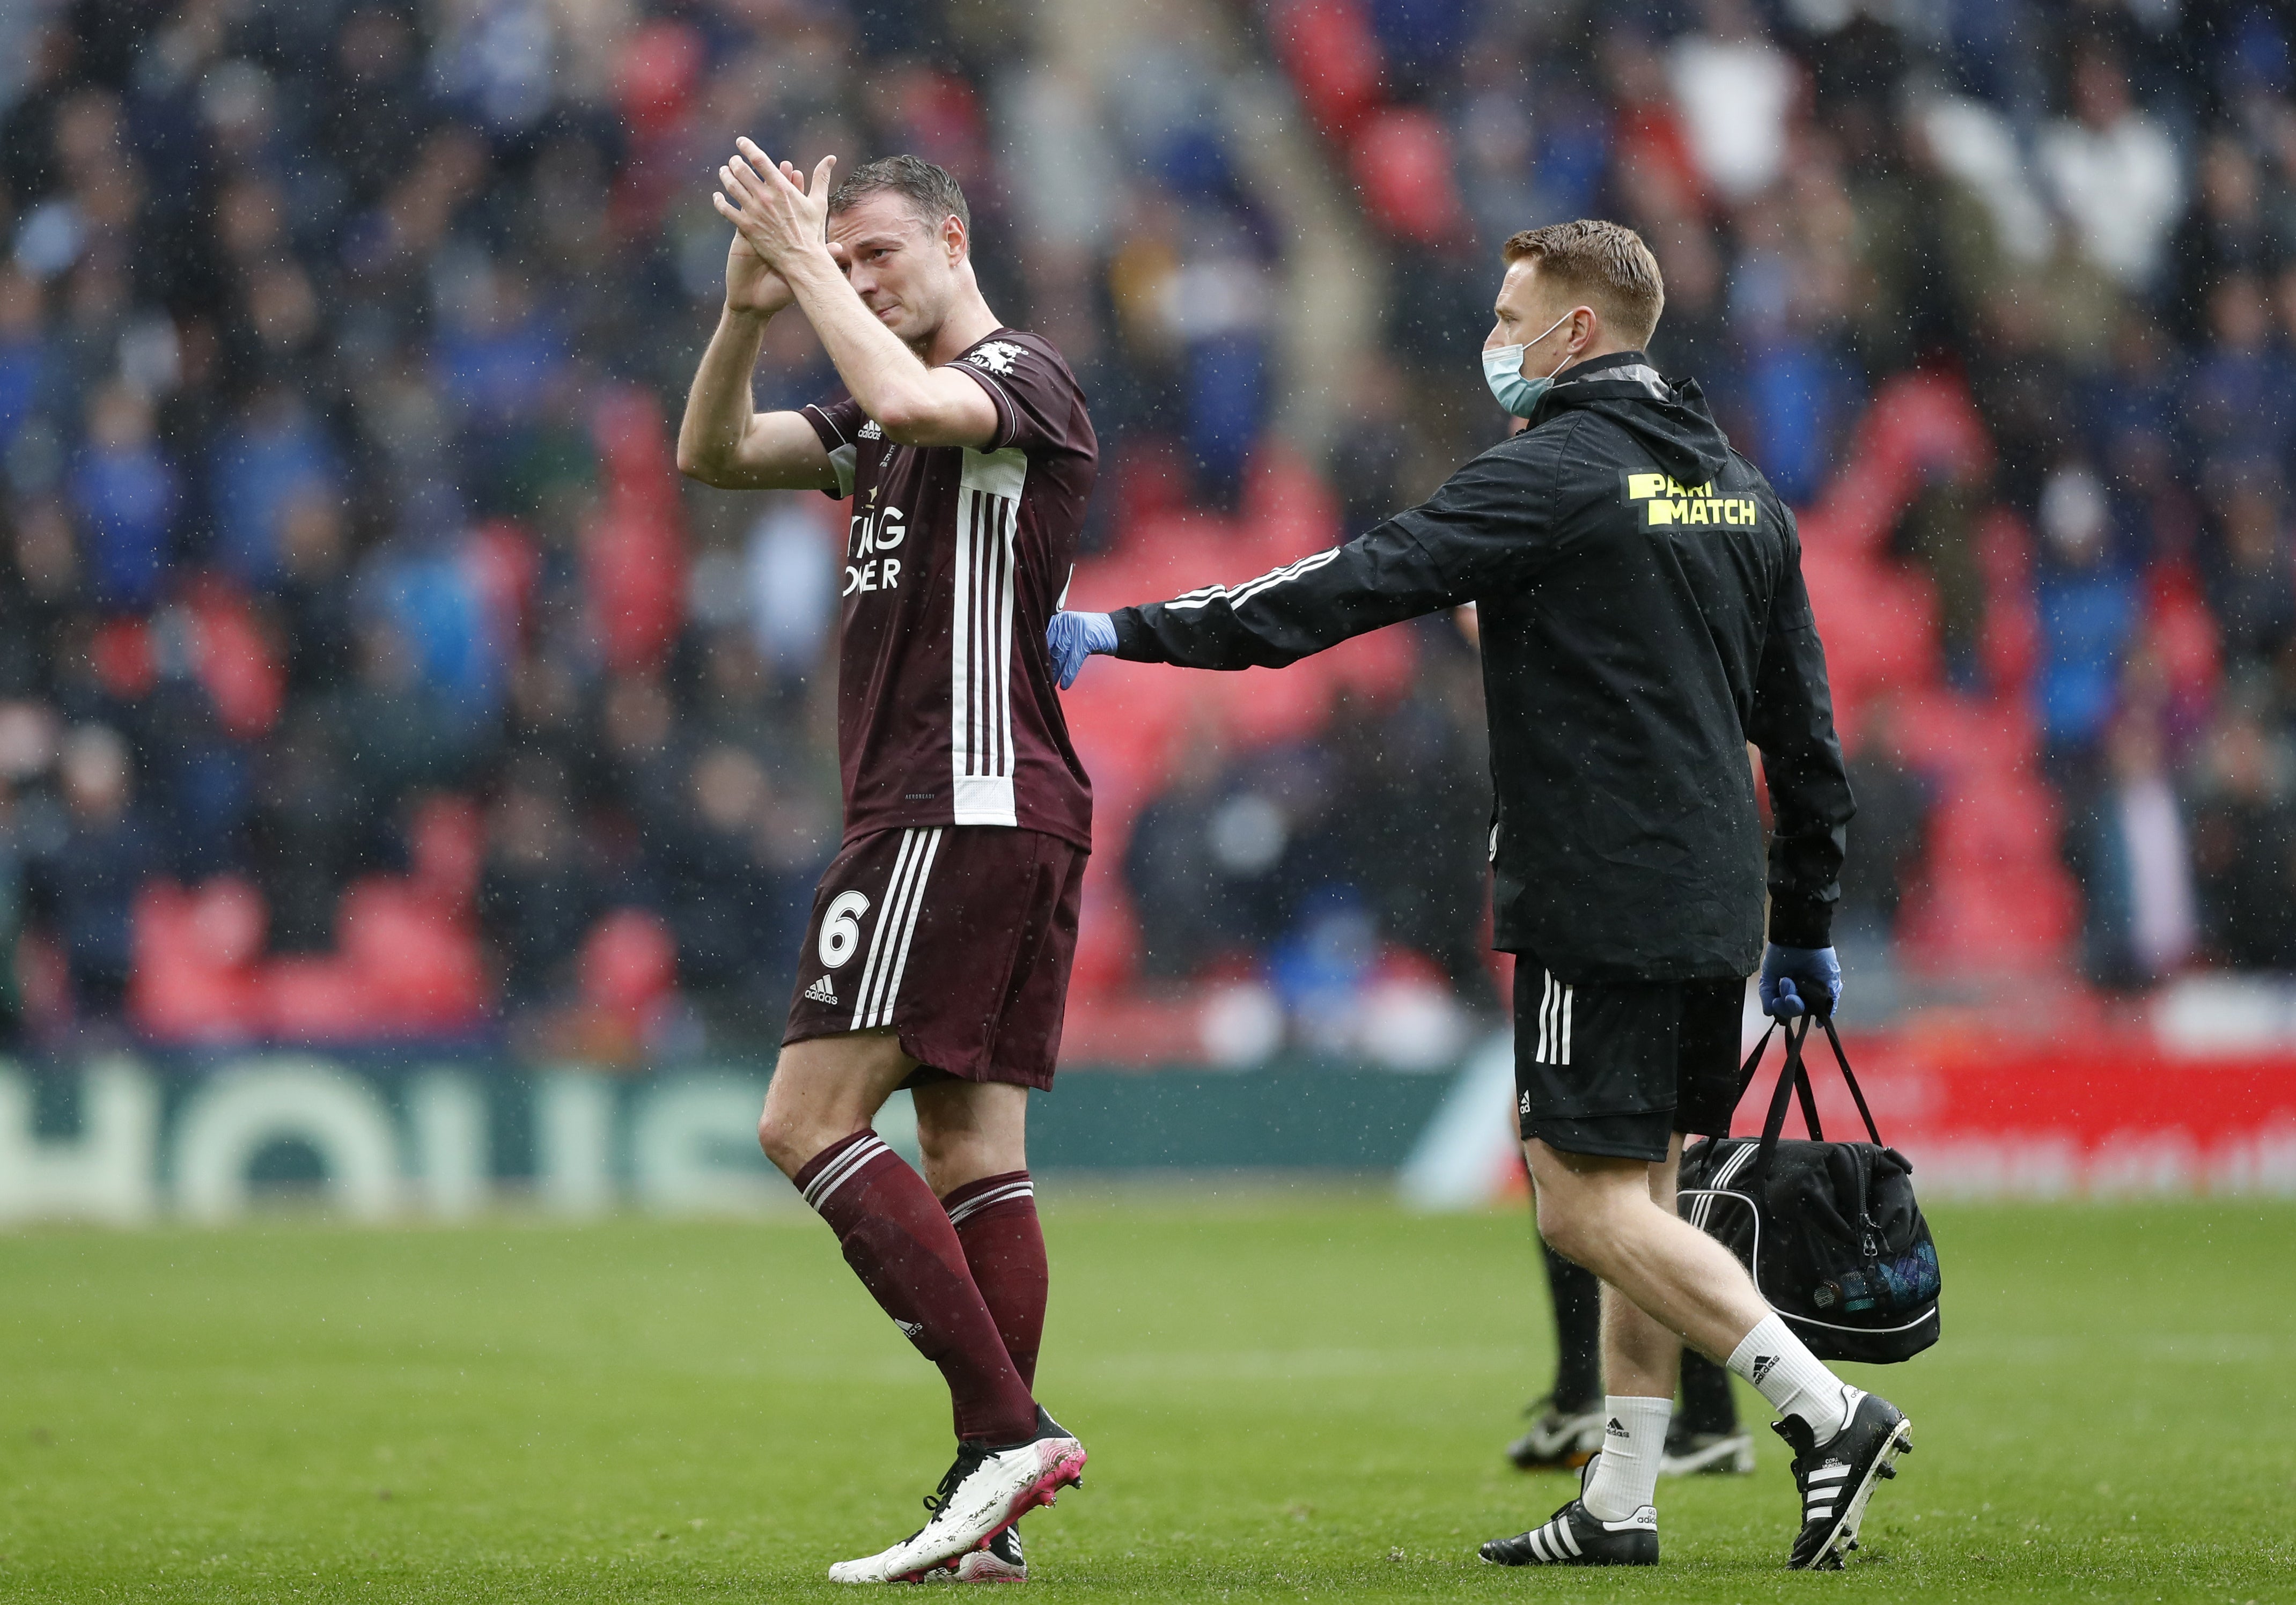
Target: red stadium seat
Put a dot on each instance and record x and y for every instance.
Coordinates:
(193, 980)
(629, 963)
(423, 968)
(447, 840)
(1400, 159)
(321, 999)
(1334, 58)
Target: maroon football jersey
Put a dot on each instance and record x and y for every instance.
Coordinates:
(955, 562)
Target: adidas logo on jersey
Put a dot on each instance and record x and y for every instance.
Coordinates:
(870, 431)
(821, 992)
(911, 1327)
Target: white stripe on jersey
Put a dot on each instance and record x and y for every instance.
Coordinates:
(980, 645)
(1205, 595)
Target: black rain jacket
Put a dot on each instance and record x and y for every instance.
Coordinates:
(1643, 617)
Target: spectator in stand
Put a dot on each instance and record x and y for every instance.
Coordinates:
(2130, 850)
(314, 593)
(125, 496)
(1893, 832)
(1174, 866)
(1368, 459)
(1412, 809)
(2250, 588)
(2113, 171)
(2237, 401)
(1939, 530)
(2088, 615)
(307, 838)
(731, 908)
(403, 738)
(84, 886)
(2023, 388)
(2244, 848)
(1736, 90)
(2225, 234)
(21, 353)
(197, 770)
(540, 891)
(273, 460)
(644, 772)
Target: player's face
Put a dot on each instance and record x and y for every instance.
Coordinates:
(902, 270)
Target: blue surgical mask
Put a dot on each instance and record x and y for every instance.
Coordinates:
(1503, 371)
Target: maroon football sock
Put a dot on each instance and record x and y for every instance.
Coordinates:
(995, 1220)
(899, 1240)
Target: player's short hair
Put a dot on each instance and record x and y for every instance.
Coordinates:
(1606, 263)
(931, 194)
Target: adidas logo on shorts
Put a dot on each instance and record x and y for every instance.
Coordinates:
(821, 992)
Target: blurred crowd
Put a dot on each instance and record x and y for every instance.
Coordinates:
(343, 567)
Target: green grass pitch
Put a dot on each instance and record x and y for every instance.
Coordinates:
(1285, 1394)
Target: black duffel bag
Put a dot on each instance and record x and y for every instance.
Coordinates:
(1829, 1230)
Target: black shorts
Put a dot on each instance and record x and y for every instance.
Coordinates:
(1617, 1068)
(959, 938)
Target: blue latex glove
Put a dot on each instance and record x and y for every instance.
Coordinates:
(1799, 978)
(1073, 637)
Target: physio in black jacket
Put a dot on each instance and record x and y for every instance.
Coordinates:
(1643, 618)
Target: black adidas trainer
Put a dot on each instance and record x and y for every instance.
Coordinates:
(1575, 1535)
(1836, 1480)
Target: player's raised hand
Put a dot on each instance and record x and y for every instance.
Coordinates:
(750, 284)
(773, 206)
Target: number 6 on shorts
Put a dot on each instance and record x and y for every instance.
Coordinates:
(840, 928)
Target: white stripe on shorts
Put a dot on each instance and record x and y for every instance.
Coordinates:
(1554, 1003)
(892, 985)
(887, 916)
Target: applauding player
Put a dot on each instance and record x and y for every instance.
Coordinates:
(939, 953)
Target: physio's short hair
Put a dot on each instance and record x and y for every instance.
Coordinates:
(1606, 265)
(930, 191)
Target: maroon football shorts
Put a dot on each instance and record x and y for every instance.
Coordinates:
(958, 937)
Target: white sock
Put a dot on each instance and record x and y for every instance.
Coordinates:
(1634, 1439)
(1793, 1380)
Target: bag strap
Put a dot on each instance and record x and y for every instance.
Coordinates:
(1792, 1079)
(1753, 1063)
(1842, 1060)
(1753, 1067)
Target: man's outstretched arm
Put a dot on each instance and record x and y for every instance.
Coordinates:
(1486, 525)
(1809, 802)
(1282, 616)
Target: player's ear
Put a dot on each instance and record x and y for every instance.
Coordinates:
(952, 238)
